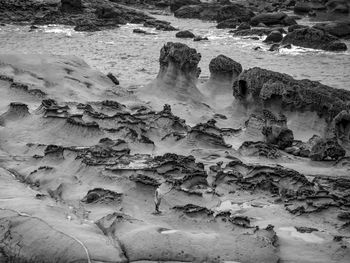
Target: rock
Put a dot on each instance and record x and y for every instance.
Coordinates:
(288, 46)
(215, 12)
(339, 28)
(71, 5)
(270, 19)
(280, 136)
(263, 88)
(274, 37)
(113, 78)
(100, 195)
(159, 25)
(257, 31)
(243, 26)
(302, 7)
(185, 34)
(259, 149)
(326, 149)
(274, 47)
(293, 27)
(200, 38)
(229, 23)
(338, 6)
(222, 65)
(176, 4)
(313, 38)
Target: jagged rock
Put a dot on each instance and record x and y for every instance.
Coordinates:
(280, 136)
(16, 111)
(259, 149)
(261, 87)
(54, 150)
(71, 5)
(100, 195)
(313, 38)
(338, 28)
(222, 65)
(185, 34)
(270, 19)
(274, 37)
(176, 4)
(113, 78)
(326, 149)
(341, 124)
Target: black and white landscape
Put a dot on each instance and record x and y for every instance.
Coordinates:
(231, 117)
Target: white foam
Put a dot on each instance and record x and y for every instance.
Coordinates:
(171, 231)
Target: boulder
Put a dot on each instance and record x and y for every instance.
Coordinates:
(274, 37)
(278, 135)
(200, 38)
(326, 149)
(176, 4)
(229, 23)
(337, 28)
(274, 47)
(314, 38)
(293, 27)
(222, 65)
(302, 7)
(185, 34)
(338, 6)
(269, 19)
(237, 11)
(189, 11)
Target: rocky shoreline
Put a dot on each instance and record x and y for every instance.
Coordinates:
(81, 156)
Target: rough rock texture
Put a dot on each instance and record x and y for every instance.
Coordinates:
(176, 4)
(326, 149)
(215, 12)
(258, 86)
(280, 136)
(338, 28)
(86, 15)
(314, 38)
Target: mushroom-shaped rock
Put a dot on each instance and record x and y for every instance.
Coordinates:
(314, 38)
(185, 34)
(178, 73)
(223, 72)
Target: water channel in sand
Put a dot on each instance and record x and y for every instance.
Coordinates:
(133, 58)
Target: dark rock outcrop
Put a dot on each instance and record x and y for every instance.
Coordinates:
(261, 88)
(71, 5)
(314, 38)
(113, 78)
(338, 28)
(274, 37)
(280, 136)
(185, 34)
(229, 23)
(271, 19)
